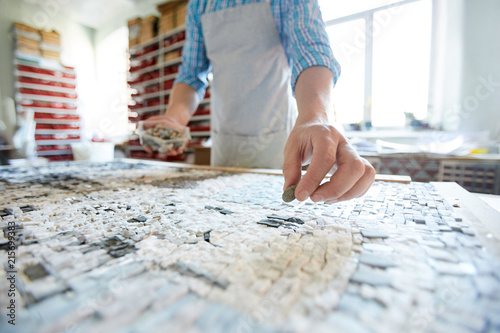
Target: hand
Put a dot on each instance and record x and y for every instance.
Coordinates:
(166, 121)
(327, 150)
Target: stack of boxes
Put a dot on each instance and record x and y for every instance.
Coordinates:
(173, 15)
(180, 13)
(26, 39)
(167, 18)
(148, 29)
(142, 30)
(45, 93)
(134, 31)
(35, 42)
(51, 45)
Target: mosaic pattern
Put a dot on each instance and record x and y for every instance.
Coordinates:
(122, 247)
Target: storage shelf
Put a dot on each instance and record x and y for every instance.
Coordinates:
(57, 121)
(200, 118)
(200, 133)
(172, 32)
(153, 81)
(57, 131)
(47, 110)
(45, 88)
(174, 46)
(146, 56)
(145, 44)
(157, 39)
(56, 142)
(148, 109)
(30, 35)
(160, 107)
(48, 85)
(145, 83)
(156, 67)
(161, 94)
(139, 72)
(43, 98)
(40, 63)
(158, 52)
(44, 77)
(152, 95)
(54, 152)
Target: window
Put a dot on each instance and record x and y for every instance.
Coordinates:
(349, 91)
(383, 47)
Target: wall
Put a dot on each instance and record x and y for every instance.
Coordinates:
(77, 43)
(446, 63)
(481, 68)
(465, 73)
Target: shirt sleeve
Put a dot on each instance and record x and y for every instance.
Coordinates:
(195, 65)
(306, 42)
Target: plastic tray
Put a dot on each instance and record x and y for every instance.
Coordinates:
(156, 142)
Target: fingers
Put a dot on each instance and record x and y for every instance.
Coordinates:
(323, 159)
(360, 187)
(328, 151)
(352, 179)
(175, 152)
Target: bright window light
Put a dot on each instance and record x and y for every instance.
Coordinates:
(348, 44)
(382, 80)
(401, 61)
(333, 9)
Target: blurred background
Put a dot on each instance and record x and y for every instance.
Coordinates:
(419, 78)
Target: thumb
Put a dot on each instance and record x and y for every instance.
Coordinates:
(292, 167)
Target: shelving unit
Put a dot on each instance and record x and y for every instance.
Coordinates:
(47, 89)
(153, 68)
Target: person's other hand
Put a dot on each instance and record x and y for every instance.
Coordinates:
(166, 121)
(327, 150)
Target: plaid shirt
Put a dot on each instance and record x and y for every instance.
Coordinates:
(301, 29)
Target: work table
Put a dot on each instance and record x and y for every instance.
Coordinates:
(131, 246)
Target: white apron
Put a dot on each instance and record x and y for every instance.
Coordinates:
(252, 103)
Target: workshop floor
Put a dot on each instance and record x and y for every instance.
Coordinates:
(121, 247)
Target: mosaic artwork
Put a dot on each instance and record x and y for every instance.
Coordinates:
(138, 247)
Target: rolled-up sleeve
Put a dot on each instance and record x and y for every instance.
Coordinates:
(306, 41)
(195, 65)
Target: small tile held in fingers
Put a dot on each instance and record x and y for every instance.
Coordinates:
(289, 194)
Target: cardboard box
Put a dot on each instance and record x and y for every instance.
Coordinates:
(26, 45)
(28, 50)
(23, 41)
(167, 18)
(133, 42)
(172, 55)
(51, 55)
(167, 7)
(180, 13)
(202, 155)
(134, 22)
(173, 15)
(24, 28)
(148, 29)
(167, 22)
(50, 37)
(134, 31)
